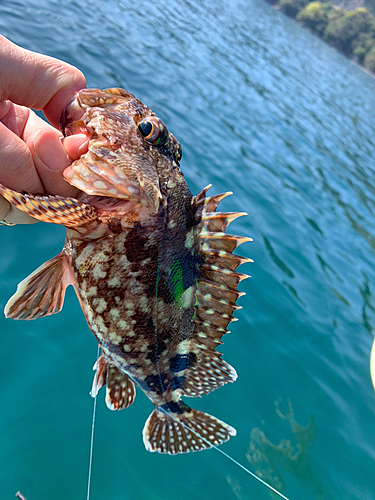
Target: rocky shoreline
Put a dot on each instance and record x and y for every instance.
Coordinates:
(351, 32)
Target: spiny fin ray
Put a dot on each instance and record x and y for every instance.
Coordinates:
(222, 276)
(223, 259)
(219, 221)
(216, 294)
(223, 241)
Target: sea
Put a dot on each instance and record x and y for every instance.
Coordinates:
(264, 109)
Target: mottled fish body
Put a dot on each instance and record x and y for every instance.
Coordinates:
(151, 264)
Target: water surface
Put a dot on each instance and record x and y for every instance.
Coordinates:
(264, 109)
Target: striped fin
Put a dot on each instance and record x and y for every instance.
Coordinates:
(209, 204)
(223, 260)
(222, 241)
(219, 221)
(222, 276)
(56, 209)
(216, 294)
(120, 391)
(42, 293)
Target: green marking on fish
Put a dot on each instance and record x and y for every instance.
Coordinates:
(177, 284)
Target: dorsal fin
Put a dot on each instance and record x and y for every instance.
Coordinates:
(216, 294)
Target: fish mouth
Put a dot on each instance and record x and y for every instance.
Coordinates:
(71, 121)
(113, 207)
(106, 203)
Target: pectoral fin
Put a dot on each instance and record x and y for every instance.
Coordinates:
(51, 208)
(42, 293)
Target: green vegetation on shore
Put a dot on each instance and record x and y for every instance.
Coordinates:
(351, 32)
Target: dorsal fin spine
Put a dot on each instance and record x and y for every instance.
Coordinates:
(216, 293)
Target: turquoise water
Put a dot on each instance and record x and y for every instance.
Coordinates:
(263, 109)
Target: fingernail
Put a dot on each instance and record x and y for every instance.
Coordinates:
(83, 148)
(76, 145)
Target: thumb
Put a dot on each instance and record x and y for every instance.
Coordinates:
(50, 159)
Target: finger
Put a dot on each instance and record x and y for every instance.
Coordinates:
(4, 208)
(11, 215)
(17, 169)
(49, 155)
(50, 161)
(14, 117)
(76, 145)
(16, 216)
(37, 81)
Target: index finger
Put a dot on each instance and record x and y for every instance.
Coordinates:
(37, 81)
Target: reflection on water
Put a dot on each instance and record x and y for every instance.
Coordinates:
(271, 462)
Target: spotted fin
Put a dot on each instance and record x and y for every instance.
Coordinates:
(216, 295)
(120, 392)
(177, 428)
(42, 293)
(51, 208)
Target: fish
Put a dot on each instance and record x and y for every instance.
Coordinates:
(151, 264)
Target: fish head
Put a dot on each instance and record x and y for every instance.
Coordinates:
(130, 153)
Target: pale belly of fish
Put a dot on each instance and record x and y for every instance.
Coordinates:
(152, 267)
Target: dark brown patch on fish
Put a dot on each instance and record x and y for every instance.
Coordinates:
(152, 267)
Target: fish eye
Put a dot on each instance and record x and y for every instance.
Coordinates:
(153, 130)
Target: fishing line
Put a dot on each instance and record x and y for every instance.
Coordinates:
(251, 473)
(92, 438)
(226, 455)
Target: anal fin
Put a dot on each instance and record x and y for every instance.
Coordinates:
(177, 428)
(120, 391)
(42, 293)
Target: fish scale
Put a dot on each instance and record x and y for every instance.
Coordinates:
(151, 264)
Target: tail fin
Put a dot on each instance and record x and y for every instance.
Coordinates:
(176, 428)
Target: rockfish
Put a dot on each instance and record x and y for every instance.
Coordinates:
(151, 265)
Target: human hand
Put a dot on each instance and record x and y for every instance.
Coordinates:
(32, 154)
